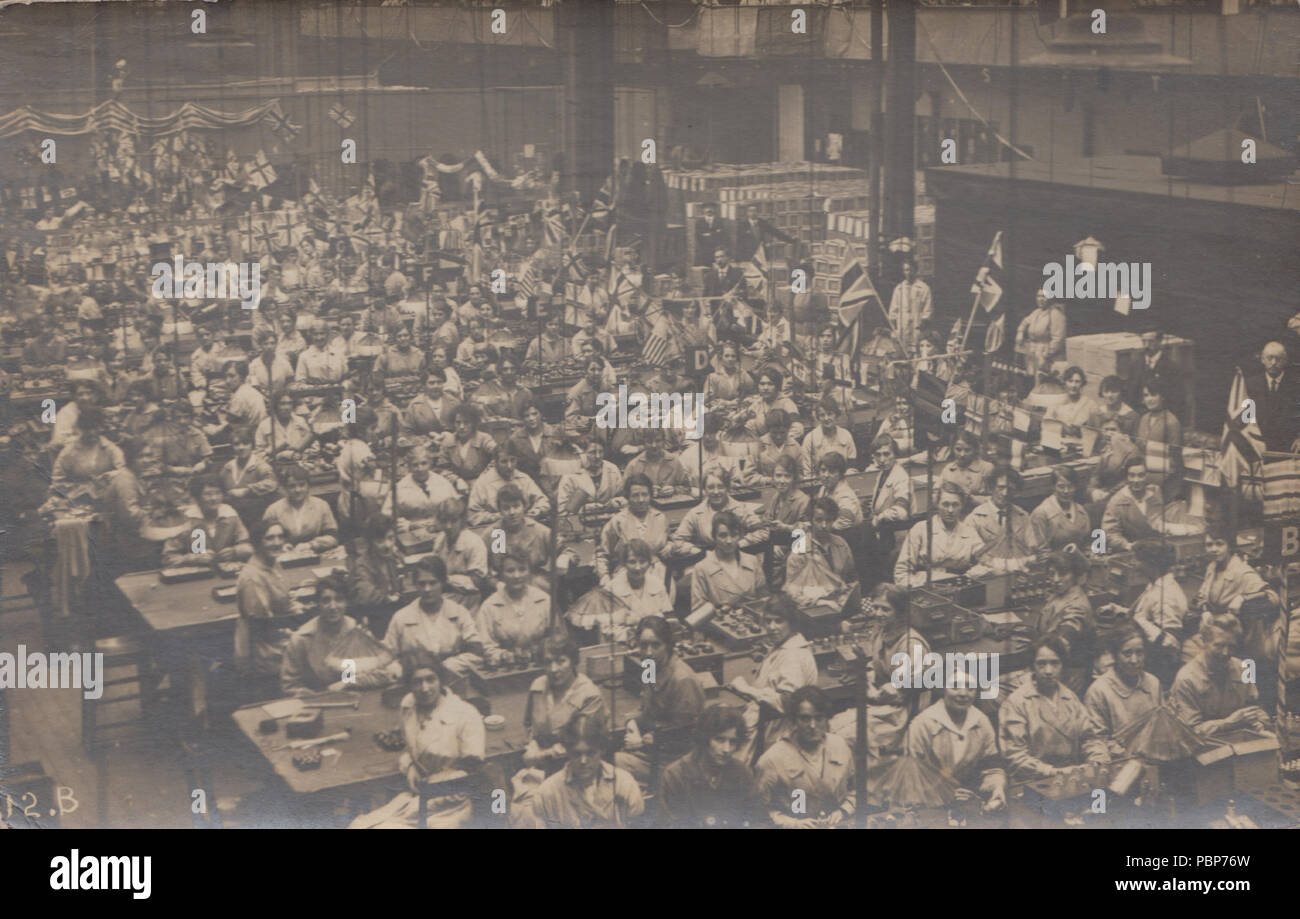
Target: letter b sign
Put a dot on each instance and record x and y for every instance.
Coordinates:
(1282, 543)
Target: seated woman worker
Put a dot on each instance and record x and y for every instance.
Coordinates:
(442, 732)
(957, 739)
(1209, 694)
(671, 700)
(588, 792)
(1043, 727)
(311, 662)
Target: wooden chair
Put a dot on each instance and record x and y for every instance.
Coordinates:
(447, 782)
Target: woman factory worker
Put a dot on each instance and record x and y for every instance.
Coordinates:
(941, 547)
(554, 699)
(435, 623)
(442, 732)
(588, 792)
(1041, 335)
(305, 519)
(1042, 726)
(670, 703)
(710, 786)
(262, 595)
(789, 665)
(957, 739)
(812, 760)
(726, 576)
(1209, 694)
(1066, 614)
(638, 520)
(1060, 520)
(515, 619)
(1161, 612)
(1126, 691)
(421, 490)
(694, 533)
(310, 663)
(973, 474)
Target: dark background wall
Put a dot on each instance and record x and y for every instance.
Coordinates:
(1224, 275)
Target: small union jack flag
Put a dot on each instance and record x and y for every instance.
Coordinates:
(283, 125)
(342, 116)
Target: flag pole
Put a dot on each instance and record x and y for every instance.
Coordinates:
(970, 321)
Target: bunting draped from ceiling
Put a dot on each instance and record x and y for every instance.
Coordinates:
(115, 116)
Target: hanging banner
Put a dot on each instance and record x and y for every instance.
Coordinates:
(115, 116)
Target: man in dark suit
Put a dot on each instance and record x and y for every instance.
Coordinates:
(753, 232)
(709, 235)
(1275, 388)
(723, 277)
(1155, 363)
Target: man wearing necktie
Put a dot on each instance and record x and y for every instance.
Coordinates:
(709, 235)
(1276, 392)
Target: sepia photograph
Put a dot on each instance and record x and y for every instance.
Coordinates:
(657, 414)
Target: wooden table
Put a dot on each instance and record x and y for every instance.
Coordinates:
(361, 761)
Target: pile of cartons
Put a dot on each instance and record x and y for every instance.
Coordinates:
(1120, 354)
(854, 224)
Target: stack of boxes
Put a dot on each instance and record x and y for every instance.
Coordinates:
(854, 224)
(1120, 354)
(794, 197)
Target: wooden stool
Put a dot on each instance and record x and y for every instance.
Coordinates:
(120, 652)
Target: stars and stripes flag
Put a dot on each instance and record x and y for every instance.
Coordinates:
(1242, 445)
(988, 289)
(526, 283)
(656, 349)
(342, 117)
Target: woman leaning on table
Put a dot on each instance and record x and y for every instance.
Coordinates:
(1210, 694)
(726, 576)
(305, 519)
(442, 732)
(262, 595)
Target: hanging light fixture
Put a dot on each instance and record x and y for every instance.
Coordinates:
(1087, 252)
(1123, 45)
